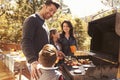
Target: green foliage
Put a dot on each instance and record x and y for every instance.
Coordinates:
(80, 33)
(57, 19)
(12, 15)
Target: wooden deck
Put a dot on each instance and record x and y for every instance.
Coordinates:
(6, 74)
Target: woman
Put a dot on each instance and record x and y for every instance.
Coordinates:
(67, 38)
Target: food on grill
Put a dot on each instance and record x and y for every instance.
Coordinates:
(72, 62)
(84, 61)
(81, 53)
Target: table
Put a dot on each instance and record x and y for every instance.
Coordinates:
(14, 63)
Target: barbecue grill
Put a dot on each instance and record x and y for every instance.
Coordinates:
(104, 51)
(105, 38)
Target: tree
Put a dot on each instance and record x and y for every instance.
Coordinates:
(12, 15)
(80, 33)
(112, 3)
(2, 11)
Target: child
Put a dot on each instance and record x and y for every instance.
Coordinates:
(47, 60)
(54, 36)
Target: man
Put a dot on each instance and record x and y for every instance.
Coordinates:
(35, 34)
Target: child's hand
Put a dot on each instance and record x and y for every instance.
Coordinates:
(60, 55)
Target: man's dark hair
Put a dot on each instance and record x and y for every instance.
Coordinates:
(48, 2)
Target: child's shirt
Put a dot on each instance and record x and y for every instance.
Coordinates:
(49, 73)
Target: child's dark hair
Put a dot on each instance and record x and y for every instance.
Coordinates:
(52, 31)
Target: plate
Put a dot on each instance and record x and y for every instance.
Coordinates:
(75, 67)
(77, 71)
(86, 65)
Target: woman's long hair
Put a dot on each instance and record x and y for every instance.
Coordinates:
(69, 25)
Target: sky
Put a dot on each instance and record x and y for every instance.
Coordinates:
(82, 8)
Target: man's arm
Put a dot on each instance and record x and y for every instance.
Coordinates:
(27, 39)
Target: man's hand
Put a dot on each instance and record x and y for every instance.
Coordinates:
(35, 73)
